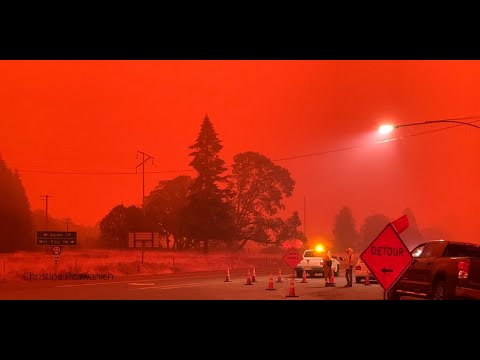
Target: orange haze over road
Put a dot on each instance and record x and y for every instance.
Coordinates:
(90, 118)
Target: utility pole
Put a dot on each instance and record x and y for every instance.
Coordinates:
(46, 216)
(145, 158)
(46, 209)
(305, 216)
(67, 219)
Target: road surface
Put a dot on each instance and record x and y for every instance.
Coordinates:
(187, 286)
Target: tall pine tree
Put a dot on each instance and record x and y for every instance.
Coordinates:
(207, 218)
(16, 229)
(207, 162)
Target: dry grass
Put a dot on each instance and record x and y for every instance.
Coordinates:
(128, 262)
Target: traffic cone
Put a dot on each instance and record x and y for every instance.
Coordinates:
(270, 283)
(228, 276)
(367, 280)
(279, 279)
(253, 275)
(304, 277)
(291, 291)
(249, 279)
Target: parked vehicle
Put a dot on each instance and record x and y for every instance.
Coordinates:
(361, 272)
(441, 270)
(312, 263)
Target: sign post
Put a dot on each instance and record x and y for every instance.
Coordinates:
(143, 240)
(56, 251)
(387, 257)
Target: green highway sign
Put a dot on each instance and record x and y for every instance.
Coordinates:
(56, 238)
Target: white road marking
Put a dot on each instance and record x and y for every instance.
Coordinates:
(142, 284)
(178, 286)
(129, 281)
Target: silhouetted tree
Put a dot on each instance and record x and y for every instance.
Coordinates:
(207, 221)
(411, 236)
(344, 232)
(371, 228)
(257, 188)
(164, 207)
(288, 229)
(206, 207)
(207, 162)
(116, 225)
(16, 231)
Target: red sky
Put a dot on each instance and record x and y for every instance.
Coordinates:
(93, 116)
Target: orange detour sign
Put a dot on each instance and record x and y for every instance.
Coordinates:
(292, 257)
(387, 257)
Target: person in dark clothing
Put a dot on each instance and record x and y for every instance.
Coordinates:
(349, 267)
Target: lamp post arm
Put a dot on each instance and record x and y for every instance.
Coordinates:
(438, 121)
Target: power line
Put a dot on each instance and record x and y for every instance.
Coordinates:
(325, 152)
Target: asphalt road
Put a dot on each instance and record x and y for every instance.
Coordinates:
(187, 286)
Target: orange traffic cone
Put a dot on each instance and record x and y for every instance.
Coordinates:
(228, 276)
(291, 291)
(249, 279)
(270, 283)
(253, 276)
(279, 279)
(367, 280)
(304, 277)
(332, 280)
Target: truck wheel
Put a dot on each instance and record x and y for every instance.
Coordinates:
(358, 280)
(299, 273)
(440, 291)
(312, 274)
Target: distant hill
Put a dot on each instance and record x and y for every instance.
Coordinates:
(87, 236)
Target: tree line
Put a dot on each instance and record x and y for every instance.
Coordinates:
(213, 209)
(345, 233)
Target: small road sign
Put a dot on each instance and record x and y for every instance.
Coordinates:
(56, 250)
(56, 238)
(292, 257)
(387, 257)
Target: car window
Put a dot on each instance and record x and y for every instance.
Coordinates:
(460, 250)
(433, 249)
(312, 253)
(418, 251)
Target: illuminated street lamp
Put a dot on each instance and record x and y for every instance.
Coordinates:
(385, 129)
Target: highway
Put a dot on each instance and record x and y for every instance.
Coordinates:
(187, 286)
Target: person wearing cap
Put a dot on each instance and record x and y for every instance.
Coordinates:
(327, 268)
(349, 267)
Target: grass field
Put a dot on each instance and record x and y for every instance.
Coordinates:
(129, 262)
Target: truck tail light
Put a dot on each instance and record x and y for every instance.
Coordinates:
(463, 268)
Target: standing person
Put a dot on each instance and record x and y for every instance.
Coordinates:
(327, 268)
(349, 267)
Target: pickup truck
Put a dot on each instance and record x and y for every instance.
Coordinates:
(312, 263)
(441, 270)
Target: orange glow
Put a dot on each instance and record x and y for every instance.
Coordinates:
(90, 118)
(319, 248)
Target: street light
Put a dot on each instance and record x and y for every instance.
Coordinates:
(385, 129)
